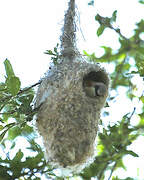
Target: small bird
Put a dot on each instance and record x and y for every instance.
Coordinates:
(93, 88)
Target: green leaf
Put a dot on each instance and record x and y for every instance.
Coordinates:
(126, 67)
(19, 155)
(49, 52)
(100, 30)
(1, 127)
(8, 68)
(26, 130)
(3, 134)
(97, 17)
(132, 153)
(91, 3)
(121, 165)
(142, 99)
(141, 122)
(141, 1)
(13, 145)
(85, 53)
(13, 84)
(114, 16)
(14, 132)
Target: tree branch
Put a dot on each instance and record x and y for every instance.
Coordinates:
(102, 172)
(117, 30)
(20, 92)
(28, 88)
(118, 72)
(112, 170)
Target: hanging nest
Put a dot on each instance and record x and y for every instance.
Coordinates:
(68, 118)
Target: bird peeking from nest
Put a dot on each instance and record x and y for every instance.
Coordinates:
(94, 89)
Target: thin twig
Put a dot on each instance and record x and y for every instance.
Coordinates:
(117, 30)
(112, 170)
(102, 172)
(119, 71)
(132, 113)
(27, 114)
(7, 113)
(20, 92)
(26, 89)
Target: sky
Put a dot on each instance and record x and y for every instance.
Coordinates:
(30, 27)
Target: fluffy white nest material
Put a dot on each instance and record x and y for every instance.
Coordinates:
(68, 118)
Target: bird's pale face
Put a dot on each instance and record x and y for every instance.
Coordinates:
(94, 89)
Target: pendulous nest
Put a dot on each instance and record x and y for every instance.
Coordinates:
(68, 118)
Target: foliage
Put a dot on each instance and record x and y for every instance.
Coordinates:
(91, 3)
(16, 167)
(141, 1)
(112, 147)
(54, 54)
(105, 22)
(16, 113)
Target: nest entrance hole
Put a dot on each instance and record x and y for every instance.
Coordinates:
(97, 76)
